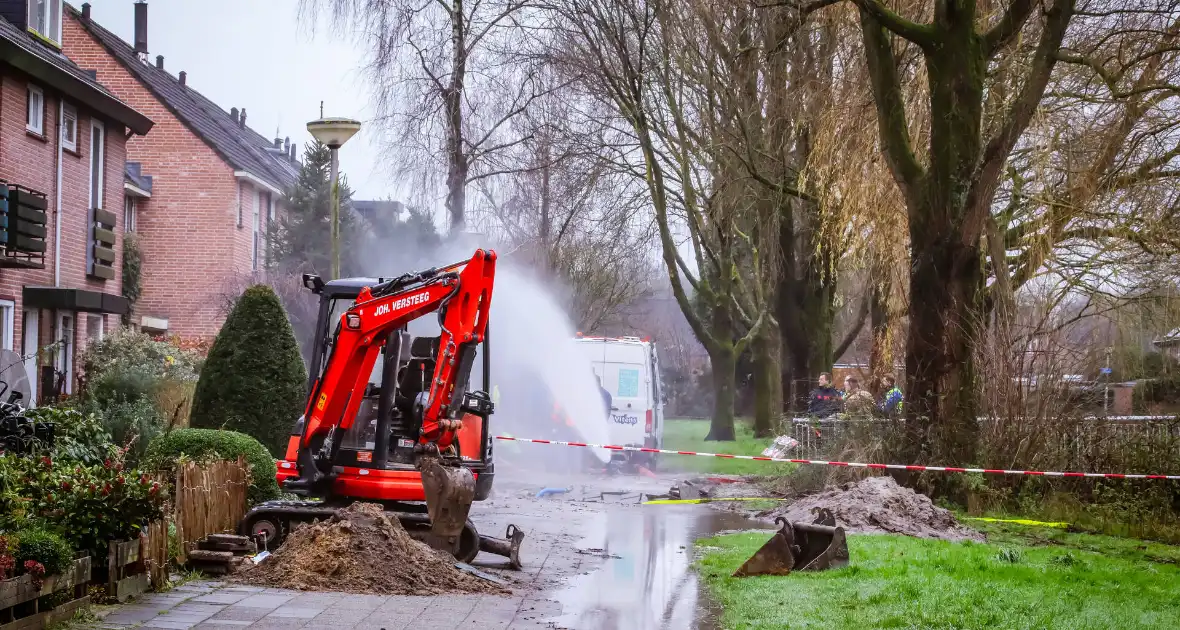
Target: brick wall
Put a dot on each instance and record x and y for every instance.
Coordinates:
(188, 230)
(31, 161)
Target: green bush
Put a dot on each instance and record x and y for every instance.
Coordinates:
(78, 436)
(253, 380)
(166, 450)
(88, 505)
(134, 352)
(133, 423)
(44, 546)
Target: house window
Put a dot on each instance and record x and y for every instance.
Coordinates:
(45, 19)
(35, 121)
(97, 162)
(129, 212)
(30, 344)
(65, 353)
(69, 127)
(95, 328)
(7, 320)
(257, 228)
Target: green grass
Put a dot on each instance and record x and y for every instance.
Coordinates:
(1079, 581)
(689, 435)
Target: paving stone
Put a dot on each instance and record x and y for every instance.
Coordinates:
(294, 612)
(241, 613)
(167, 625)
(220, 597)
(370, 602)
(222, 625)
(262, 600)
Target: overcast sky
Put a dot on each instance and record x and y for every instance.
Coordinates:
(257, 55)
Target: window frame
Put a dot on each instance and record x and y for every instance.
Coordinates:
(39, 128)
(53, 19)
(130, 213)
(102, 163)
(8, 324)
(257, 229)
(64, 362)
(69, 112)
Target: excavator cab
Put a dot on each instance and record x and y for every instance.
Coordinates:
(383, 434)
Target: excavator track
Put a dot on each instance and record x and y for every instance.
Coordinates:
(270, 522)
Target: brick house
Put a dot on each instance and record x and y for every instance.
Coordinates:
(213, 183)
(63, 139)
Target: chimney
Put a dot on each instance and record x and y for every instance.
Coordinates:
(279, 143)
(85, 10)
(242, 120)
(233, 114)
(140, 26)
(183, 77)
(160, 61)
(293, 159)
(287, 144)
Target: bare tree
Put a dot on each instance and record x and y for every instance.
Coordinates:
(447, 77)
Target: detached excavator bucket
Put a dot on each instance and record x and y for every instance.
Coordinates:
(800, 547)
(450, 491)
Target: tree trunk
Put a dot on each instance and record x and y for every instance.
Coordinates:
(457, 158)
(724, 382)
(768, 395)
(881, 352)
(946, 291)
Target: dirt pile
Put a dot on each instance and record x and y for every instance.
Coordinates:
(362, 550)
(878, 505)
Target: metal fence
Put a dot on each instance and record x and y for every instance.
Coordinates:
(1078, 444)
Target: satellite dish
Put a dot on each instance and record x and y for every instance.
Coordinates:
(13, 372)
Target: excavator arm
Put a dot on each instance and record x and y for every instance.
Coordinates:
(461, 293)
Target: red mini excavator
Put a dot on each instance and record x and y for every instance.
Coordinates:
(403, 430)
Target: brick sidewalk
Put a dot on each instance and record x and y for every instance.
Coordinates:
(210, 605)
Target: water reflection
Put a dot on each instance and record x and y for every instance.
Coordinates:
(646, 581)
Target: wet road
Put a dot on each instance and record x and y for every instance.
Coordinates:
(616, 564)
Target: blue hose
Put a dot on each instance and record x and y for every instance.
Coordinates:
(548, 491)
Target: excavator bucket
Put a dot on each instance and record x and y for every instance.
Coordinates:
(800, 547)
(450, 490)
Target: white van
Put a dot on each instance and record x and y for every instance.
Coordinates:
(629, 369)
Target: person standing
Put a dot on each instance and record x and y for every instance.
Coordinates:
(825, 399)
(893, 402)
(857, 402)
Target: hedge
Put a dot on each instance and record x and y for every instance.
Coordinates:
(46, 547)
(254, 379)
(166, 449)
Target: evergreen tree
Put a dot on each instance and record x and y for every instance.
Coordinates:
(253, 380)
(300, 239)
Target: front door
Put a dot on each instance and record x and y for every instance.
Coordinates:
(31, 340)
(64, 367)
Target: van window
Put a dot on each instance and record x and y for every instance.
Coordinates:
(628, 383)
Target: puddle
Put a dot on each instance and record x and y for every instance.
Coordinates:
(646, 580)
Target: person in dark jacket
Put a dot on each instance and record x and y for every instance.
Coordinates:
(825, 399)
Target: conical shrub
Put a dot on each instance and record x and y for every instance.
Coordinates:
(253, 380)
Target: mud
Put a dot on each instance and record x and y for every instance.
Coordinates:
(361, 550)
(878, 505)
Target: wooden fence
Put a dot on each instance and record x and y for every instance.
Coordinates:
(210, 499)
(155, 552)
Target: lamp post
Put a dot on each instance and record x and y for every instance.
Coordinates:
(334, 132)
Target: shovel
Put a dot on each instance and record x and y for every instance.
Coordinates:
(801, 547)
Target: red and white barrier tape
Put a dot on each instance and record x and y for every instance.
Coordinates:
(819, 462)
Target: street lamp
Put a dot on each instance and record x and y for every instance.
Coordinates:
(334, 132)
